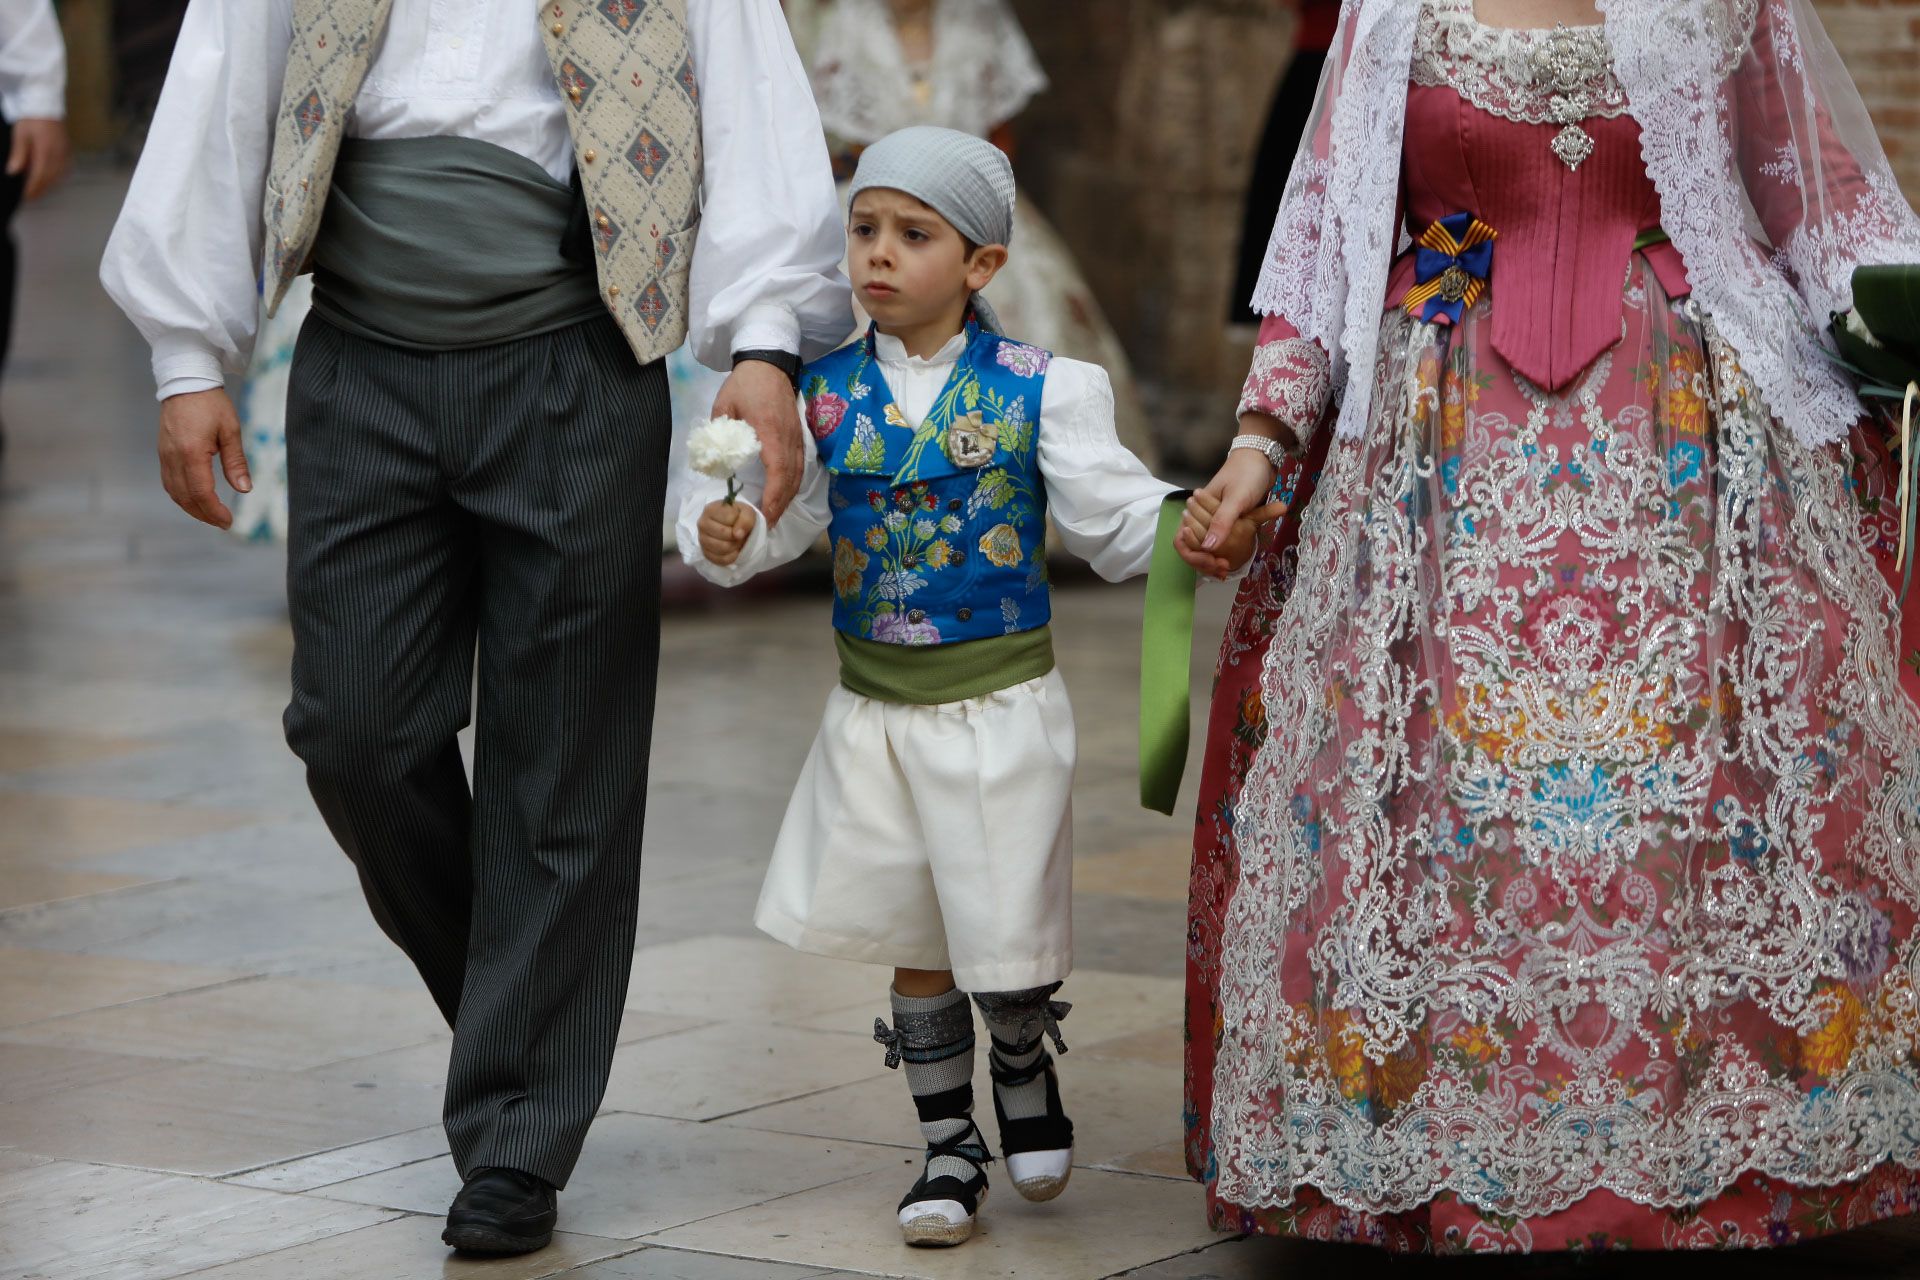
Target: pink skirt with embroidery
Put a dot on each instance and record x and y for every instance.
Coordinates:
(1558, 887)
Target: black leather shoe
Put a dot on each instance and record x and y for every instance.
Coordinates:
(501, 1211)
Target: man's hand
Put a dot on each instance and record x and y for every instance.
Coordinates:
(194, 429)
(760, 395)
(40, 151)
(724, 527)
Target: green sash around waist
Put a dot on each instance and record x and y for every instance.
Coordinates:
(929, 675)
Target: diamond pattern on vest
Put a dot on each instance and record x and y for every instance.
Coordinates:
(643, 126)
(621, 13)
(626, 76)
(574, 82)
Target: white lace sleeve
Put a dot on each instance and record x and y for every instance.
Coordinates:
(1290, 381)
(1334, 239)
(1745, 105)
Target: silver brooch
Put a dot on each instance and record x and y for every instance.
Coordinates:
(1566, 64)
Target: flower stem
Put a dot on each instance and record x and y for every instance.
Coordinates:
(733, 489)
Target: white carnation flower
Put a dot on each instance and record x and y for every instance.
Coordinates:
(719, 447)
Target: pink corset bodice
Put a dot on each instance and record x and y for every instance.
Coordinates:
(1566, 235)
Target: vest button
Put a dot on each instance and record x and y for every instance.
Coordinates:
(613, 291)
(559, 29)
(591, 156)
(602, 220)
(965, 615)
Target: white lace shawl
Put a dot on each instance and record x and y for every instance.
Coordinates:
(983, 72)
(1772, 184)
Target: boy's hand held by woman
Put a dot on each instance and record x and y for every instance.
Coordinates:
(1237, 536)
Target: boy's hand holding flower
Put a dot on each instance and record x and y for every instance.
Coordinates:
(719, 447)
(724, 527)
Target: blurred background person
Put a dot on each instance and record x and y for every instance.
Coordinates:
(33, 131)
(881, 65)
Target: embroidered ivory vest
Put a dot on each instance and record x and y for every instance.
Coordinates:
(625, 71)
(939, 530)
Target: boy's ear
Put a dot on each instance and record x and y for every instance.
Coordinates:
(985, 265)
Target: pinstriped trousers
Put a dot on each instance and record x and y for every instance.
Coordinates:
(503, 501)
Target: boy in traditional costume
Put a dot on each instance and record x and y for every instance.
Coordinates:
(931, 826)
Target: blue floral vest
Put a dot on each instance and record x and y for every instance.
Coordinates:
(939, 531)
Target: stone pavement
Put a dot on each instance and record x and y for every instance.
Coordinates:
(212, 1064)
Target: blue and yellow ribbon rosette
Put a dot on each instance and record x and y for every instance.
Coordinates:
(1452, 262)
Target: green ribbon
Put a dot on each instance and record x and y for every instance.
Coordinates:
(1166, 651)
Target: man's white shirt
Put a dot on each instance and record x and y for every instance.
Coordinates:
(184, 258)
(33, 62)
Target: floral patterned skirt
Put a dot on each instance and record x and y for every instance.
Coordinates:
(1557, 869)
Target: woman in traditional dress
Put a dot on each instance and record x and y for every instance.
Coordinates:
(1558, 857)
(881, 65)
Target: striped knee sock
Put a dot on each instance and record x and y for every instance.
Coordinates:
(1018, 1023)
(932, 1037)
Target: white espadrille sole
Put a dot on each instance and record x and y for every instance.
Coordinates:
(1040, 1175)
(937, 1224)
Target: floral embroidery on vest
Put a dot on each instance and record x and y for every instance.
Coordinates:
(938, 529)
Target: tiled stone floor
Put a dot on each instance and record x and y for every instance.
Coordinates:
(212, 1064)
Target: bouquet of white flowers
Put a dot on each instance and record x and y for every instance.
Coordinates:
(719, 447)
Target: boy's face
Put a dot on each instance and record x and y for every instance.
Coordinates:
(909, 266)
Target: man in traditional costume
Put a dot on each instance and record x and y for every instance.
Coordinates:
(512, 211)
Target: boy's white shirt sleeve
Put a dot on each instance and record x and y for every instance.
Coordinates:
(1102, 498)
(806, 518)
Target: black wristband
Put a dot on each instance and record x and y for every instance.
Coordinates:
(785, 361)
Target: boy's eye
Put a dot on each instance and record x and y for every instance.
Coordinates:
(915, 234)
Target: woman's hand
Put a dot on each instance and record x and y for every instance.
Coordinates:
(1237, 490)
(1241, 541)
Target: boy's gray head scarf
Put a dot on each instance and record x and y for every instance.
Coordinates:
(966, 180)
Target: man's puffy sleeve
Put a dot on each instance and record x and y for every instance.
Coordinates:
(766, 266)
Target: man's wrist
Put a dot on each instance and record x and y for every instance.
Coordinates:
(185, 386)
(785, 361)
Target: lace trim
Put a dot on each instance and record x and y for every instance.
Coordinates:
(1559, 76)
(1676, 76)
(1291, 380)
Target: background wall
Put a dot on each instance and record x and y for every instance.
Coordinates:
(1142, 151)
